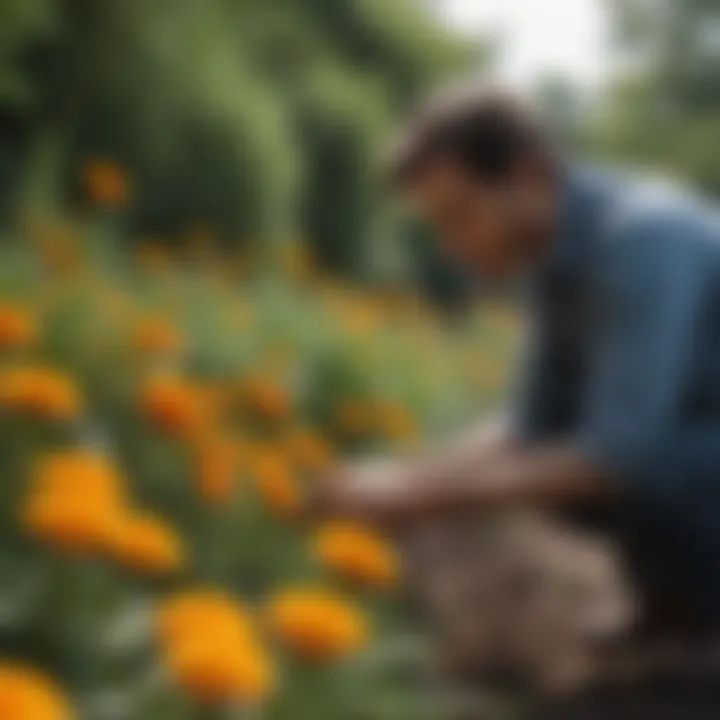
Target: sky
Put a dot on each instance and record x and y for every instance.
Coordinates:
(540, 36)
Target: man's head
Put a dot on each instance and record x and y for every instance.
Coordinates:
(478, 167)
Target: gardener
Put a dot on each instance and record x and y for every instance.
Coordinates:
(617, 424)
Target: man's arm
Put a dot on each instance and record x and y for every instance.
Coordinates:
(551, 474)
(652, 299)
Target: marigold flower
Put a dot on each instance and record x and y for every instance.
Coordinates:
(211, 647)
(355, 417)
(276, 483)
(222, 671)
(56, 246)
(317, 624)
(80, 473)
(397, 422)
(216, 612)
(106, 183)
(358, 553)
(266, 399)
(158, 336)
(43, 392)
(17, 327)
(75, 501)
(309, 450)
(71, 524)
(217, 463)
(173, 403)
(26, 694)
(146, 543)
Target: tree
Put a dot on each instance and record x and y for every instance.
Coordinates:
(665, 110)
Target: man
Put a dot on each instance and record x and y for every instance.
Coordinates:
(617, 424)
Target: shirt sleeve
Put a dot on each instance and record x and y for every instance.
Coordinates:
(652, 299)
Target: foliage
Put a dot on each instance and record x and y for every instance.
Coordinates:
(164, 418)
(664, 110)
(260, 120)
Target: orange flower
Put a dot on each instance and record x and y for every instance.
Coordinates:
(75, 502)
(266, 399)
(57, 247)
(309, 450)
(298, 260)
(317, 624)
(106, 183)
(28, 695)
(217, 613)
(79, 473)
(217, 469)
(355, 417)
(396, 422)
(146, 543)
(43, 392)
(173, 403)
(17, 327)
(158, 336)
(358, 553)
(71, 524)
(211, 647)
(223, 671)
(276, 483)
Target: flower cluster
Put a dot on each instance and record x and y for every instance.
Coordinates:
(78, 503)
(212, 649)
(25, 694)
(162, 434)
(358, 553)
(317, 624)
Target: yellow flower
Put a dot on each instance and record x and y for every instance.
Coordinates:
(17, 327)
(70, 524)
(266, 399)
(396, 422)
(43, 392)
(217, 613)
(211, 647)
(57, 248)
(276, 483)
(106, 183)
(80, 473)
(146, 543)
(173, 403)
(75, 502)
(358, 553)
(298, 260)
(158, 336)
(223, 671)
(355, 417)
(309, 450)
(317, 624)
(28, 695)
(216, 469)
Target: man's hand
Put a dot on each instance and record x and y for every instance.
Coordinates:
(399, 492)
(380, 491)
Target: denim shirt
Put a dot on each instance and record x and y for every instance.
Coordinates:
(625, 360)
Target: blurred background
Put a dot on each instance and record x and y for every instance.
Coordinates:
(207, 300)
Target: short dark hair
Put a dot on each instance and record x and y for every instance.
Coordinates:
(487, 131)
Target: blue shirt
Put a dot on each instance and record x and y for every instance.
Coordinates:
(625, 359)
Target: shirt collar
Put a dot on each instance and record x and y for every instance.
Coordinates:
(584, 194)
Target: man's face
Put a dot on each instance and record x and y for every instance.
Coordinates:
(485, 227)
